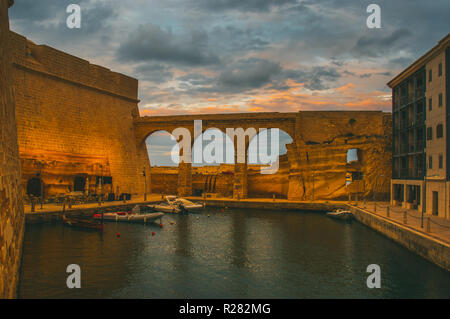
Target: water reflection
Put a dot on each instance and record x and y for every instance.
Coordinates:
(183, 237)
(225, 254)
(239, 239)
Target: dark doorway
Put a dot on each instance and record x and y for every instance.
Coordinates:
(435, 209)
(414, 195)
(79, 184)
(34, 186)
(398, 192)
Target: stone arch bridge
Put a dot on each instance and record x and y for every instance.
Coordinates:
(321, 140)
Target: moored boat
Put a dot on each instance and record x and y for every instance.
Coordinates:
(341, 214)
(82, 222)
(128, 217)
(165, 208)
(175, 204)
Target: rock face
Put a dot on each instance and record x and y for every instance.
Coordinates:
(319, 157)
(315, 166)
(11, 204)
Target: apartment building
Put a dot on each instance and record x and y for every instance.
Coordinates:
(421, 130)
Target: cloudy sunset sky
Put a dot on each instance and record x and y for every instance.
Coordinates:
(217, 56)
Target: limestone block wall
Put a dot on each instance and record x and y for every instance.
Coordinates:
(267, 185)
(213, 179)
(164, 180)
(11, 204)
(71, 113)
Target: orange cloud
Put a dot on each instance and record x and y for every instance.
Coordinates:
(346, 97)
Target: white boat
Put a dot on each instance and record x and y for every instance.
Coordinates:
(175, 204)
(129, 217)
(341, 214)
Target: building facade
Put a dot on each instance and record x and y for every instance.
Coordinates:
(420, 131)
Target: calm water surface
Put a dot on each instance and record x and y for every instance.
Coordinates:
(231, 254)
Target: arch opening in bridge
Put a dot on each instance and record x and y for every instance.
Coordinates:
(163, 149)
(164, 155)
(266, 143)
(274, 182)
(212, 148)
(213, 159)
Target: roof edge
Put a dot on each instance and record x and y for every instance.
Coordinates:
(420, 61)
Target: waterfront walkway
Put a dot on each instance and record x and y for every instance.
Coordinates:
(53, 207)
(432, 226)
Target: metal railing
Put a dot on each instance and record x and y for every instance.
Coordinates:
(404, 216)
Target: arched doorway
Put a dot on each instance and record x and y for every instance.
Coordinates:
(79, 184)
(34, 187)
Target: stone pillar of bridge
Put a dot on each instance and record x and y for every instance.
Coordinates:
(185, 179)
(240, 183)
(185, 168)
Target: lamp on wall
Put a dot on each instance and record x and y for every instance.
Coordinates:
(145, 183)
(101, 183)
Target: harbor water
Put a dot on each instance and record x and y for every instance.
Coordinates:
(222, 253)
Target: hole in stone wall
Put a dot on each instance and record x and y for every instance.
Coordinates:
(352, 155)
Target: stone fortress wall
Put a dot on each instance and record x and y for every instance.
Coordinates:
(11, 202)
(75, 123)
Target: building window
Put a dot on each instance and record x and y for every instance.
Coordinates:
(441, 161)
(430, 162)
(430, 75)
(439, 131)
(429, 133)
(440, 99)
(440, 69)
(430, 104)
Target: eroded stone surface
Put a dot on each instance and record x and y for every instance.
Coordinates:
(315, 166)
(11, 204)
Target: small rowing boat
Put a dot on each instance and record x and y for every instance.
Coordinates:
(341, 214)
(82, 222)
(129, 217)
